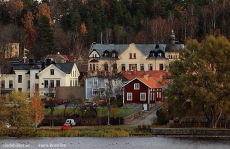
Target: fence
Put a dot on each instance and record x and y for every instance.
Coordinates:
(131, 111)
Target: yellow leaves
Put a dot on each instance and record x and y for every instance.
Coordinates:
(37, 108)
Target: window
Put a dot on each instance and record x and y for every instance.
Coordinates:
(36, 76)
(19, 78)
(10, 83)
(161, 66)
(106, 67)
(3, 83)
(136, 86)
(150, 66)
(46, 84)
(19, 89)
(95, 92)
(142, 96)
(129, 96)
(130, 55)
(52, 83)
(95, 81)
(114, 66)
(70, 82)
(134, 55)
(131, 66)
(123, 67)
(142, 67)
(114, 55)
(51, 71)
(57, 82)
(102, 92)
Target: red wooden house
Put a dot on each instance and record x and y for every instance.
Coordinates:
(143, 91)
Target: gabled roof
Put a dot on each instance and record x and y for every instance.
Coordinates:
(67, 58)
(65, 67)
(148, 82)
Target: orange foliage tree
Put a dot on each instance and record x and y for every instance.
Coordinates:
(44, 10)
(83, 29)
(28, 22)
(37, 108)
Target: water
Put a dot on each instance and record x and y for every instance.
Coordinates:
(115, 143)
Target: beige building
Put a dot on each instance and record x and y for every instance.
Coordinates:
(124, 57)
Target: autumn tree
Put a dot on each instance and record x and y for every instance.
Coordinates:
(37, 109)
(19, 112)
(201, 80)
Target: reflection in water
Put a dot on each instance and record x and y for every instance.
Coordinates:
(116, 143)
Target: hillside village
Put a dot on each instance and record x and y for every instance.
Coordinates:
(109, 71)
(80, 59)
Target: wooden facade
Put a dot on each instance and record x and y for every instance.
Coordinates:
(142, 91)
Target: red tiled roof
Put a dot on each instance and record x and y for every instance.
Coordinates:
(163, 81)
(150, 83)
(155, 74)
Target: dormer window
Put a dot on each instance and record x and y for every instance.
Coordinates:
(113, 55)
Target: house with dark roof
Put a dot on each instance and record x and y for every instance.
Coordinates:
(124, 57)
(42, 77)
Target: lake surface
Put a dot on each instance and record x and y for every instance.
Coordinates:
(115, 143)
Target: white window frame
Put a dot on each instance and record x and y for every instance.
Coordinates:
(142, 96)
(95, 91)
(136, 86)
(95, 81)
(129, 96)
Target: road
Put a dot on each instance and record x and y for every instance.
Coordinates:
(147, 117)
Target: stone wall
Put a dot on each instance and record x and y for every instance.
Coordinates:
(132, 116)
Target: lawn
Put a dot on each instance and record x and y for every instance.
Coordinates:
(114, 112)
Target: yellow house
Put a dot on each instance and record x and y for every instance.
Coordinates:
(9, 50)
(124, 57)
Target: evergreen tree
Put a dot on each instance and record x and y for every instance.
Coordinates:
(45, 38)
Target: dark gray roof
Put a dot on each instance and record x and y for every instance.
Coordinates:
(173, 48)
(65, 67)
(144, 48)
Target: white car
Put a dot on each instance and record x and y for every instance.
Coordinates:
(70, 121)
(7, 125)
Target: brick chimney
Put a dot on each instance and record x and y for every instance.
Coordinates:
(134, 70)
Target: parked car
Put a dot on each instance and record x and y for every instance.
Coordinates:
(90, 104)
(54, 102)
(7, 125)
(71, 122)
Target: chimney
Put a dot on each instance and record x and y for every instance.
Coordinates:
(134, 70)
(31, 61)
(48, 61)
(146, 76)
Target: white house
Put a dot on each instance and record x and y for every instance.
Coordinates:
(42, 77)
